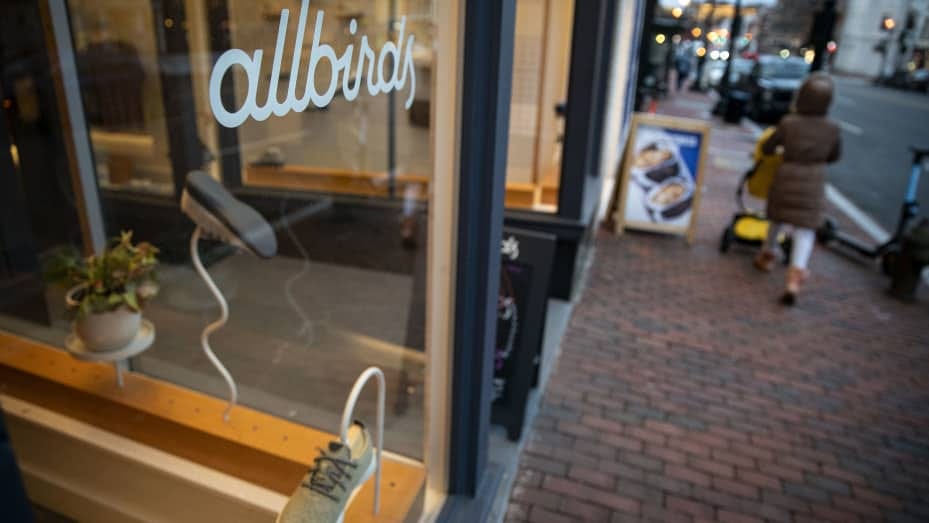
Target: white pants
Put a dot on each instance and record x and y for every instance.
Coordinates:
(802, 248)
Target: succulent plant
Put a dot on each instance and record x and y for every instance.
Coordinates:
(123, 275)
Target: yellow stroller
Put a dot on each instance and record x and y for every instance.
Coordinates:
(750, 226)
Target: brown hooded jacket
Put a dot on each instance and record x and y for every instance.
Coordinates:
(810, 141)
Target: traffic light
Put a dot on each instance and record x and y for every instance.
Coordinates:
(887, 23)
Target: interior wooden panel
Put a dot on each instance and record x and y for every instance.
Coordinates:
(257, 447)
(337, 181)
(521, 195)
(331, 180)
(550, 194)
(554, 88)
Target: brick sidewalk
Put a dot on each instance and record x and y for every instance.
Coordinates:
(684, 392)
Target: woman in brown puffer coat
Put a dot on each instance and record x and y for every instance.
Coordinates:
(809, 140)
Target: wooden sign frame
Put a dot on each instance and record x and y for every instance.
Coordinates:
(671, 124)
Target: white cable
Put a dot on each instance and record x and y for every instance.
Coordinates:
(216, 325)
(306, 327)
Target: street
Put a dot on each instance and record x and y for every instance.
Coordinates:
(878, 126)
(685, 392)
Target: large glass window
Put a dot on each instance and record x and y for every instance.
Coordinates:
(345, 187)
(117, 59)
(38, 209)
(540, 80)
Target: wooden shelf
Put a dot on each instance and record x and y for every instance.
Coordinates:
(370, 183)
(253, 446)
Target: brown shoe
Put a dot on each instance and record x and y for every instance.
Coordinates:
(795, 279)
(765, 260)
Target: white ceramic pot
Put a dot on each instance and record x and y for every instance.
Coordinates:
(107, 331)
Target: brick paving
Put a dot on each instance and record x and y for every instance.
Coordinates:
(684, 392)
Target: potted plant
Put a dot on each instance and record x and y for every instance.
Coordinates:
(106, 292)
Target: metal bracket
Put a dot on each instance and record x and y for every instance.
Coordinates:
(347, 421)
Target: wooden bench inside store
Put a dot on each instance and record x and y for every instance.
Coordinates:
(261, 449)
(526, 196)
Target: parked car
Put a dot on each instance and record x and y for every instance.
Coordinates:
(712, 73)
(740, 71)
(919, 80)
(915, 80)
(773, 83)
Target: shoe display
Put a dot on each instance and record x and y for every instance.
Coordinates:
(337, 475)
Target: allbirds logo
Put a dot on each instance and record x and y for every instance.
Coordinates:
(374, 69)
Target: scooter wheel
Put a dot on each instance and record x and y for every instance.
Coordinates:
(889, 261)
(826, 232)
(725, 241)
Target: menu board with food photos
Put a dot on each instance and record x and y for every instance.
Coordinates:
(662, 175)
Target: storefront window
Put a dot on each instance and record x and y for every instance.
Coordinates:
(345, 187)
(117, 59)
(372, 145)
(39, 213)
(540, 81)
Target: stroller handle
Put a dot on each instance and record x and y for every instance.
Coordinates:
(740, 190)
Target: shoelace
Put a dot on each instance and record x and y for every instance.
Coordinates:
(324, 479)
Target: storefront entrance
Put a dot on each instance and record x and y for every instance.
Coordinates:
(381, 141)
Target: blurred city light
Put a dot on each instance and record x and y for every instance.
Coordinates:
(660, 38)
(701, 52)
(684, 3)
(911, 66)
(696, 32)
(888, 23)
(724, 55)
(712, 36)
(809, 56)
(677, 12)
(785, 53)
(832, 46)
(714, 55)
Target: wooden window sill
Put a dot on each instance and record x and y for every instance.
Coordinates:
(253, 446)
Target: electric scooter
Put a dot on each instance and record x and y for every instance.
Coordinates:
(888, 251)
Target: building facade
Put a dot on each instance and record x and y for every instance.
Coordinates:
(867, 48)
(383, 146)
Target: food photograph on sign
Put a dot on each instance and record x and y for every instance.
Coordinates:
(663, 169)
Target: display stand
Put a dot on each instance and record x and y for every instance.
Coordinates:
(347, 417)
(119, 357)
(218, 215)
(216, 325)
